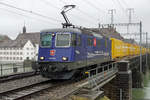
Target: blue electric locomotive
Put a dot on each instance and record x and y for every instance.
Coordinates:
(67, 52)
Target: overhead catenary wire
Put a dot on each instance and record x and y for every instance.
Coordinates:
(91, 17)
(121, 6)
(47, 22)
(31, 12)
(80, 18)
(125, 9)
(125, 3)
(117, 3)
(85, 13)
(75, 9)
(93, 5)
(99, 10)
(49, 3)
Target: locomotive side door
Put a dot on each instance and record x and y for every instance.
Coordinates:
(79, 48)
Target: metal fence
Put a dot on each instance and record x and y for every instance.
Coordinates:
(101, 73)
(13, 68)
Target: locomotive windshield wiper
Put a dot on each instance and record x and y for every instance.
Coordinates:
(66, 8)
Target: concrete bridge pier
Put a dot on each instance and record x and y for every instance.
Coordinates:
(120, 88)
(124, 81)
(136, 78)
(148, 60)
(110, 89)
(144, 65)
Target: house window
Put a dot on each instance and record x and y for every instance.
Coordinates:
(27, 58)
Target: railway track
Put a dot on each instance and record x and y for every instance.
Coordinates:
(16, 76)
(61, 92)
(23, 92)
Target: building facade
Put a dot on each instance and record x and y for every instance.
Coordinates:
(25, 46)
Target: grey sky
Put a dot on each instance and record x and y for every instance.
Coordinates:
(87, 13)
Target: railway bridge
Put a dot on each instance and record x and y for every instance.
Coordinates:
(114, 80)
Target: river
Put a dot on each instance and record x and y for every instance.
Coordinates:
(144, 93)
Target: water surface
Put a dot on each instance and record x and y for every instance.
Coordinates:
(144, 93)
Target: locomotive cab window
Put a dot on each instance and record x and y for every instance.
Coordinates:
(63, 40)
(46, 40)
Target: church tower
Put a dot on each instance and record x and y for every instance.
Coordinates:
(24, 28)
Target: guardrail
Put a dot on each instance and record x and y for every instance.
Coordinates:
(100, 74)
(13, 68)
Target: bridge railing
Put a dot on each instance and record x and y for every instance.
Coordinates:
(13, 68)
(101, 73)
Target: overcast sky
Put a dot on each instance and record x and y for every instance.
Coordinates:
(88, 13)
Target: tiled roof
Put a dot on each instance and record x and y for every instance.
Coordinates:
(21, 40)
(108, 32)
(13, 43)
(130, 41)
(4, 38)
(33, 37)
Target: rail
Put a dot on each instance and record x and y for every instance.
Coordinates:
(13, 68)
(22, 92)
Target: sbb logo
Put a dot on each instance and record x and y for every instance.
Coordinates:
(52, 52)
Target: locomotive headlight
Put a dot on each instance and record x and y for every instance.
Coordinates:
(53, 34)
(64, 58)
(41, 58)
